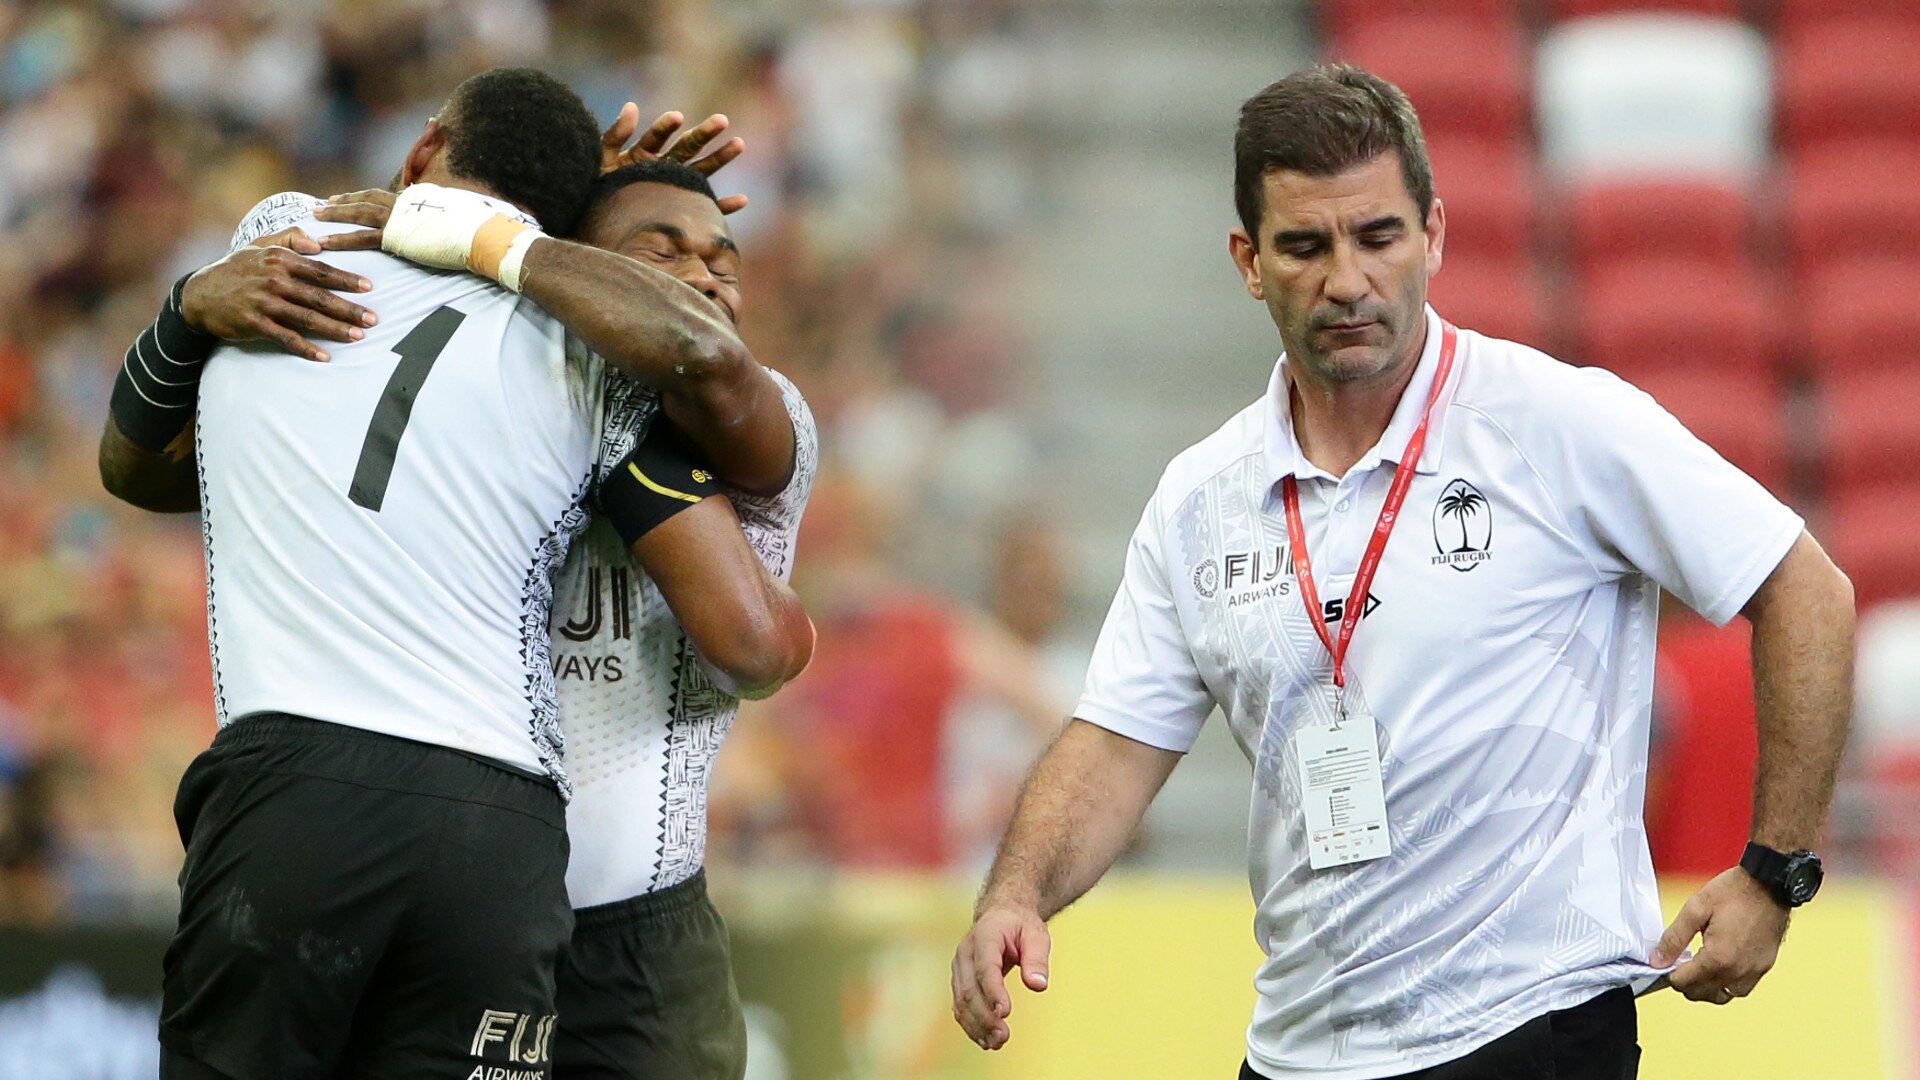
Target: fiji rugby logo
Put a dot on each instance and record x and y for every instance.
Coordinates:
(1206, 578)
(1462, 527)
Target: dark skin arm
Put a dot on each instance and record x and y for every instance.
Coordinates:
(659, 330)
(744, 621)
(269, 291)
(665, 334)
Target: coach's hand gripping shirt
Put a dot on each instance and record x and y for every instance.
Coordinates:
(642, 715)
(381, 530)
(1506, 652)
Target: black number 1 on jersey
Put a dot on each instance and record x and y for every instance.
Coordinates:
(417, 351)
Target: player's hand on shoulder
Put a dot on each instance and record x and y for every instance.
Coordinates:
(370, 208)
(1740, 927)
(1002, 938)
(271, 290)
(658, 143)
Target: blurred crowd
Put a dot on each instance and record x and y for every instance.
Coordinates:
(886, 171)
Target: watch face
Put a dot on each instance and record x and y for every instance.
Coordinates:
(1802, 878)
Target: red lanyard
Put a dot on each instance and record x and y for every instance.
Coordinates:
(1383, 528)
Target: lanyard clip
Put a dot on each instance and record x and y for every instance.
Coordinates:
(1339, 706)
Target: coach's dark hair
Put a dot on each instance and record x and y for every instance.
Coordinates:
(1322, 121)
(529, 139)
(658, 171)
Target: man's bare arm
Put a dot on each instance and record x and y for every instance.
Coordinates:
(163, 482)
(1077, 811)
(665, 334)
(745, 622)
(1803, 622)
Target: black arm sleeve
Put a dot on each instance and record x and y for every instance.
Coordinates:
(159, 380)
(660, 478)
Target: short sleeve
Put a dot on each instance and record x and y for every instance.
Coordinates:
(1644, 495)
(771, 517)
(1142, 682)
(270, 215)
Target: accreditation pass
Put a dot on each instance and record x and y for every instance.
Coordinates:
(1345, 797)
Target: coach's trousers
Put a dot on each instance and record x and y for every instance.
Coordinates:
(1596, 1040)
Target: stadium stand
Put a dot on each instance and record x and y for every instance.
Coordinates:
(1849, 79)
(1465, 76)
(1851, 199)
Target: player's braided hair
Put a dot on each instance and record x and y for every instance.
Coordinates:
(529, 139)
(1322, 121)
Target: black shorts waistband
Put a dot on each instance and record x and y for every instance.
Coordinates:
(303, 745)
(647, 907)
(278, 727)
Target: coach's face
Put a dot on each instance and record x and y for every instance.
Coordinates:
(679, 231)
(1342, 264)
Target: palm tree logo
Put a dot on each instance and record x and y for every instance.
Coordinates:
(1463, 503)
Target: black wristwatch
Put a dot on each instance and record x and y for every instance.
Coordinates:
(1792, 877)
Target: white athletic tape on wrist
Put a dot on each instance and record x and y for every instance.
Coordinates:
(511, 263)
(436, 226)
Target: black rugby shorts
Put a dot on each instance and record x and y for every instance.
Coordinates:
(358, 905)
(647, 992)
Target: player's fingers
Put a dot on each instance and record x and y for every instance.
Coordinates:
(290, 237)
(373, 195)
(1689, 922)
(370, 214)
(331, 305)
(268, 330)
(622, 128)
(688, 146)
(731, 204)
(718, 160)
(307, 322)
(1035, 944)
(357, 240)
(327, 277)
(658, 132)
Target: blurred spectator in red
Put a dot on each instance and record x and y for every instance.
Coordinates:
(868, 725)
(1700, 782)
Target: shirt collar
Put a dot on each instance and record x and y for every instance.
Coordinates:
(1283, 454)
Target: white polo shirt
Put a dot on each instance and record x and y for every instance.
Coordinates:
(1507, 656)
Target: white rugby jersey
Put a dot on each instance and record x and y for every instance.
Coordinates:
(381, 529)
(643, 719)
(1507, 654)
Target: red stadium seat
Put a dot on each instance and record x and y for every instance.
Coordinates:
(1793, 14)
(1489, 193)
(1341, 17)
(1741, 416)
(1862, 315)
(1657, 315)
(1500, 298)
(1574, 9)
(1614, 221)
(1463, 76)
(1847, 80)
(1851, 200)
(1869, 533)
(1870, 427)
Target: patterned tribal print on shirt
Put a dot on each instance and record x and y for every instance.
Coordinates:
(642, 718)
